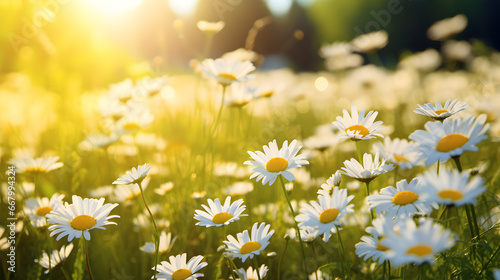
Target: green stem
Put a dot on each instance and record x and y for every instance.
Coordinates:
(437, 169)
(216, 123)
(342, 253)
(233, 268)
(457, 163)
(156, 237)
(296, 226)
(489, 260)
(66, 275)
(256, 267)
(367, 194)
(388, 275)
(474, 220)
(281, 258)
(315, 260)
(85, 246)
(471, 227)
(358, 149)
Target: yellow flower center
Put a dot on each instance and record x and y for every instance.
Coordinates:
(329, 215)
(124, 99)
(359, 128)
(400, 158)
(439, 112)
(221, 218)
(44, 210)
(228, 76)
(452, 195)
(131, 126)
(420, 250)
(83, 222)
(404, 197)
(240, 103)
(35, 169)
(276, 164)
(451, 142)
(250, 247)
(181, 274)
(381, 247)
(267, 93)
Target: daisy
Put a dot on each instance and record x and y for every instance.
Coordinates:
(36, 165)
(177, 268)
(446, 28)
(37, 208)
(368, 171)
(331, 183)
(249, 245)
(127, 193)
(439, 112)
(424, 61)
(56, 257)
(403, 201)
(164, 188)
(166, 243)
(101, 140)
(452, 187)
(356, 126)
(134, 121)
(225, 72)
(370, 42)
(134, 177)
(326, 213)
(251, 274)
(274, 162)
(412, 244)
(399, 152)
(450, 138)
(210, 27)
(337, 49)
(240, 95)
(79, 217)
(4, 242)
(370, 247)
(238, 188)
(220, 215)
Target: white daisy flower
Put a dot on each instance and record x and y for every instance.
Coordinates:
(225, 71)
(326, 213)
(412, 244)
(399, 152)
(370, 42)
(210, 27)
(79, 217)
(274, 162)
(4, 242)
(101, 140)
(371, 168)
(450, 138)
(36, 165)
(357, 126)
(452, 187)
(134, 177)
(249, 245)
(370, 246)
(238, 188)
(37, 208)
(239, 95)
(439, 112)
(164, 188)
(134, 121)
(405, 200)
(250, 273)
(218, 215)
(56, 257)
(125, 194)
(308, 234)
(332, 182)
(446, 28)
(178, 268)
(166, 243)
(335, 50)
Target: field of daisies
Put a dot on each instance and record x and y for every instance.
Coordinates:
(231, 172)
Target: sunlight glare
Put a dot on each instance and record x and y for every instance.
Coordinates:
(114, 7)
(279, 7)
(183, 7)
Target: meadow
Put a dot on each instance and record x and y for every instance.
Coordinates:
(218, 131)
